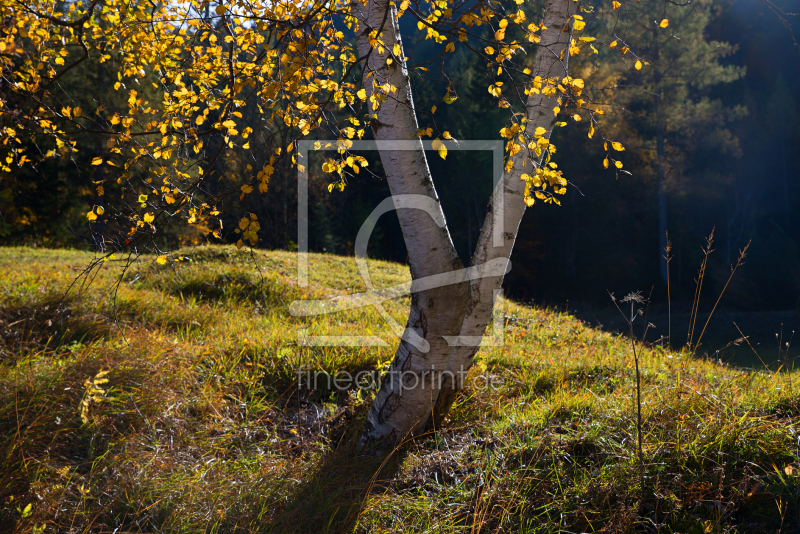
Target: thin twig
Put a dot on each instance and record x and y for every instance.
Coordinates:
(739, 263)
(699, 287)
(633, 298)
(747, 339)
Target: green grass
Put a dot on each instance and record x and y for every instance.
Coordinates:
(200, 426)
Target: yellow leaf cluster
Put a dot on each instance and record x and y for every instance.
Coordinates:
(188, 89)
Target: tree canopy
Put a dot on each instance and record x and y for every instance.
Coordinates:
(194, 81)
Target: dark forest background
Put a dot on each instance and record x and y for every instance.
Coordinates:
(724, 132)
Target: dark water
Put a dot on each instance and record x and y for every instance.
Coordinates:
(764, 330)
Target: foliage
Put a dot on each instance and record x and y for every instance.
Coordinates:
(666, 111)
(196, 82)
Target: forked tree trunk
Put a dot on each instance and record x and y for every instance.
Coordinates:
(416, 389)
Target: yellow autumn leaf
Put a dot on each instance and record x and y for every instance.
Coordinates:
(438, 146)
(638, 65)
(220, 10)
(362, 94)
(539, 132)
(91, 216)
(556, 110)
(605, 163)
(664, 23)
(489, 50)
(396, 49)
(617, 146)
(161, 260)
(576, 117)
(616, 4)
(97, 161)
(451, 47)
(149, 217)
(579, 25)
(494, 90)
(442, 151)
(100, 210)
(618, 164)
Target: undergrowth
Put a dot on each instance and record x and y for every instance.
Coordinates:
(167, 401)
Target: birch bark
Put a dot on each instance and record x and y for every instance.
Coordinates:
(404, 402)
(510, 192)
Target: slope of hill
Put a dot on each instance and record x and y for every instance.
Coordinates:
(165, 398)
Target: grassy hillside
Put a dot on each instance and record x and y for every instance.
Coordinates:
(164, 398)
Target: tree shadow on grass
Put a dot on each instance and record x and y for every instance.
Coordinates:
(47, 321)
(332, 498)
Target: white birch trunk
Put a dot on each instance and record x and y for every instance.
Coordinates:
(405, 401)
(510, 191)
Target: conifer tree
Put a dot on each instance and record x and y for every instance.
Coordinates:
(664, 96)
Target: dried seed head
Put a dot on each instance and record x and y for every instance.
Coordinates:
(634, 297)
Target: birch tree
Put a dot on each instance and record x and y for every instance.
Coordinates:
(462, 309)
(318, 69)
